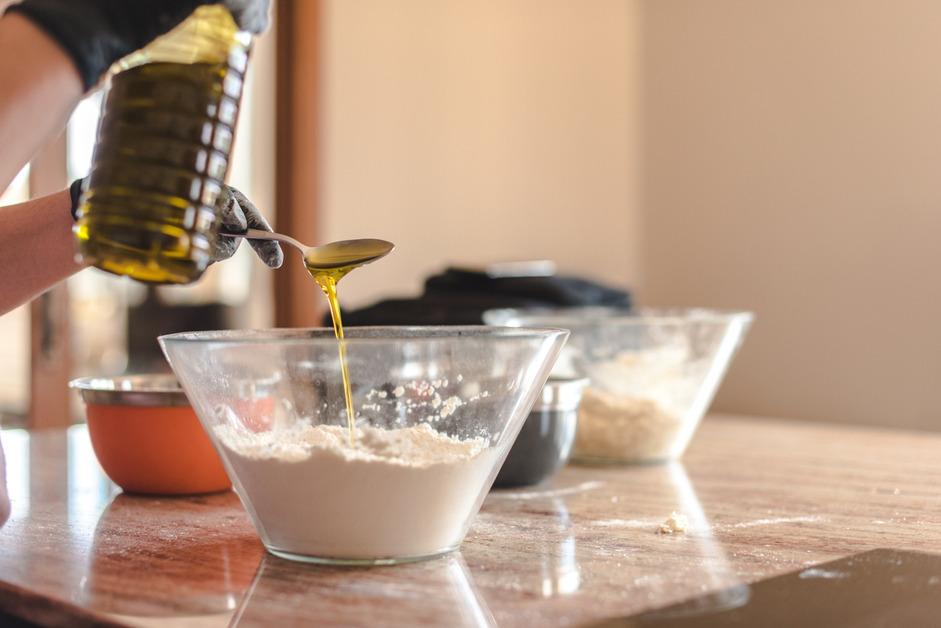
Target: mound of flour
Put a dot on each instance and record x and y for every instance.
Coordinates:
(635, 409)
(393, 493)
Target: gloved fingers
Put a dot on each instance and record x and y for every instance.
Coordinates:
(232, 219)
(250, 15)
(230, 211)
(268, 250)
(223, 248)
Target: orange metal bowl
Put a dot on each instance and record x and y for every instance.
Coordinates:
(147, 437)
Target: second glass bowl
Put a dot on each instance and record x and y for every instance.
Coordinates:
(653, 374)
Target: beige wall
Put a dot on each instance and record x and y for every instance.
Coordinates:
(793, 166)
(788, 161)
(475, 131)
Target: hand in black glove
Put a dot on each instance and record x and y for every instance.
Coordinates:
(96, 33)
(237, 214)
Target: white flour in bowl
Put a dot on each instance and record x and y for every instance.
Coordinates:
(635, 408)
(627, 429)
(396, 493)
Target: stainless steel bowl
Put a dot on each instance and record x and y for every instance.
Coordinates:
(546, 439)
(156, 390)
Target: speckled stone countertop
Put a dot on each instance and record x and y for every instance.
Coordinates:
(763, 497)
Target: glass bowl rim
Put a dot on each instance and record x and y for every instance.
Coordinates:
(325, 335)
(642, 316)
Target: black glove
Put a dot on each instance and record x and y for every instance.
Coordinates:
(96, 33)
(237, 214)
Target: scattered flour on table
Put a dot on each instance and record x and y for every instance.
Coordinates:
(625, 523)
(551, 493)
(397, 492)
(754, 523)
(676, 523)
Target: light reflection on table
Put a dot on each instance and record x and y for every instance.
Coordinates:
(338, 595)
(16, 451)
(112, 539)
(762, 499)
(85, 489)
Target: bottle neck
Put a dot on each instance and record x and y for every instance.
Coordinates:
(208, 35)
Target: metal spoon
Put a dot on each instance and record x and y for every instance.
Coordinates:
(342, 254)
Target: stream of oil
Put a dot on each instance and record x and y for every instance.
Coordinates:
(329, 264)
(327, 279)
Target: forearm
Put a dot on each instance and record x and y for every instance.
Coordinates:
(36, 248)
(39, 86)
(4, 498)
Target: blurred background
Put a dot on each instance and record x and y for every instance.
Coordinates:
(739, 154)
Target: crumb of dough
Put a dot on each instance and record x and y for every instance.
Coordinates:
(676, 523)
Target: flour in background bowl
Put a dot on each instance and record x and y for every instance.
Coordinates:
(634, 409)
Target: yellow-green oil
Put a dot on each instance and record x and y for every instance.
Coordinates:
(328, 265)
(328, 279)
(161, 158)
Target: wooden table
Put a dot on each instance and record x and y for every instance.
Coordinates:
(763, 497)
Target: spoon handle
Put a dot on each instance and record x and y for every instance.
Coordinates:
(258, 234)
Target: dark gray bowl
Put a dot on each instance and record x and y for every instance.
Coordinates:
(545, 441)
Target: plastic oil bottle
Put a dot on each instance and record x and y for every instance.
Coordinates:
(162, 152)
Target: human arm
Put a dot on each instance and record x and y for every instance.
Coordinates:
(39, 86)
(4, 498)
(37, 249)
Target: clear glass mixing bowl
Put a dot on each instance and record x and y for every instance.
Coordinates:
(272, 403)
(653, 374)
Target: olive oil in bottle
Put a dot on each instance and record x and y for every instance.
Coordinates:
(162, 152)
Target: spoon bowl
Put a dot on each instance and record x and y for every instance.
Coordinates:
(342, 254)
(346, 253)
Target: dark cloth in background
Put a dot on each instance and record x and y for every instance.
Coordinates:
(460, 297)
